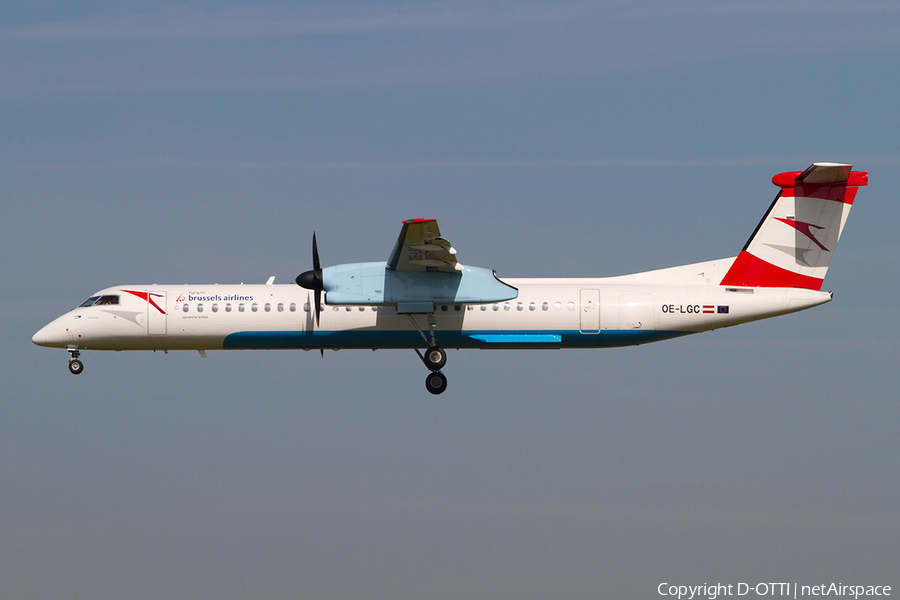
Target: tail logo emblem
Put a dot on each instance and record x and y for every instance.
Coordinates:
(805, 229)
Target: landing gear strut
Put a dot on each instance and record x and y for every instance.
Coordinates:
(75, 365)
(434, 358)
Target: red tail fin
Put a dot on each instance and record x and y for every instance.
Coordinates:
(793, 244)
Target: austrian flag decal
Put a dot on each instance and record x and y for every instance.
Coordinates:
(712, 309)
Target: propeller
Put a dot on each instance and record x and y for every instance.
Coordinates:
(312, 280)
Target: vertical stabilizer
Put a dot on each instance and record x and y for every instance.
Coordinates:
(793, 244)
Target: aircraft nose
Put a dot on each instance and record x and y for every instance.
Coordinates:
(40, 338)
(50, 335)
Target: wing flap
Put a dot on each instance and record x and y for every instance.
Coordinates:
(420, 248)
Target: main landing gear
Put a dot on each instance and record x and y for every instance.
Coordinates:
(436, 382)
(434, 358)
(75, 365)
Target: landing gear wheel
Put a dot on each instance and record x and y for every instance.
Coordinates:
(75, 366)
(436, 383)
(435, 358)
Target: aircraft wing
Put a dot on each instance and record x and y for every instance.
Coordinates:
(420, 248)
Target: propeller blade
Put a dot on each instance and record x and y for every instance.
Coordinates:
(312, 280)
(316, 267)
(318, 303)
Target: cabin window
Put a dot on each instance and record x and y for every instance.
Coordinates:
(570, 306)
(254, 307)
(215, 308)
(228, 307)
(241, 307)
(444, 308)
(335, 309)
(531, 306)
(268, 307)
(557, 306)
(362, 308)
(89, 302)
(374, 309)
(484, 307)
(496, 307)
(506, 306)
(186, 307)
(293, 307)
(545, 306)
(348, 309)
(306, 307)
(199, 308)
(280, 307)
(519, 306)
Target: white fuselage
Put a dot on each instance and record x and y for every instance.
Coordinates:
(547, 313)
(422, 297)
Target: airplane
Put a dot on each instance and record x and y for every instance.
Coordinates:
(422, 298)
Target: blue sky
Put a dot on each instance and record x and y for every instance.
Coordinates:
(205, 141)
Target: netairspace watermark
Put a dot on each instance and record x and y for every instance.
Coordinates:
(711, 591)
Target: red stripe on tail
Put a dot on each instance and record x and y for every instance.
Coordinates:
(750, 271)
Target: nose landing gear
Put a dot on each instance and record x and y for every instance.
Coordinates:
(75, 365)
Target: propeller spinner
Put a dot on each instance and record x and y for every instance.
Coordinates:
(312, 280)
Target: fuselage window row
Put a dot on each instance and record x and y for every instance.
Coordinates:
(254, 307)
(267, 307)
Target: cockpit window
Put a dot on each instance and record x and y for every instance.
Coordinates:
(99, 301)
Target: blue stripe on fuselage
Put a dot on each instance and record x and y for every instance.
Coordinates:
(276, 340)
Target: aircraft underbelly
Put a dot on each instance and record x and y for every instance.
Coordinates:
(489, 339)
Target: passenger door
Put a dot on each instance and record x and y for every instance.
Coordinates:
(156, 313)
(590, 311)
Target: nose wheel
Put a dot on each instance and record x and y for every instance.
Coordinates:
(75, 365)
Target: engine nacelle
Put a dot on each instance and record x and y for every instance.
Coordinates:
(370, 284)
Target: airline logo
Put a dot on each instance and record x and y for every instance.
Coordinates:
(805, 229)
(203, 297)
(149, 297)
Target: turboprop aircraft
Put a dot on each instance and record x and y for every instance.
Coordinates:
(423, 298)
